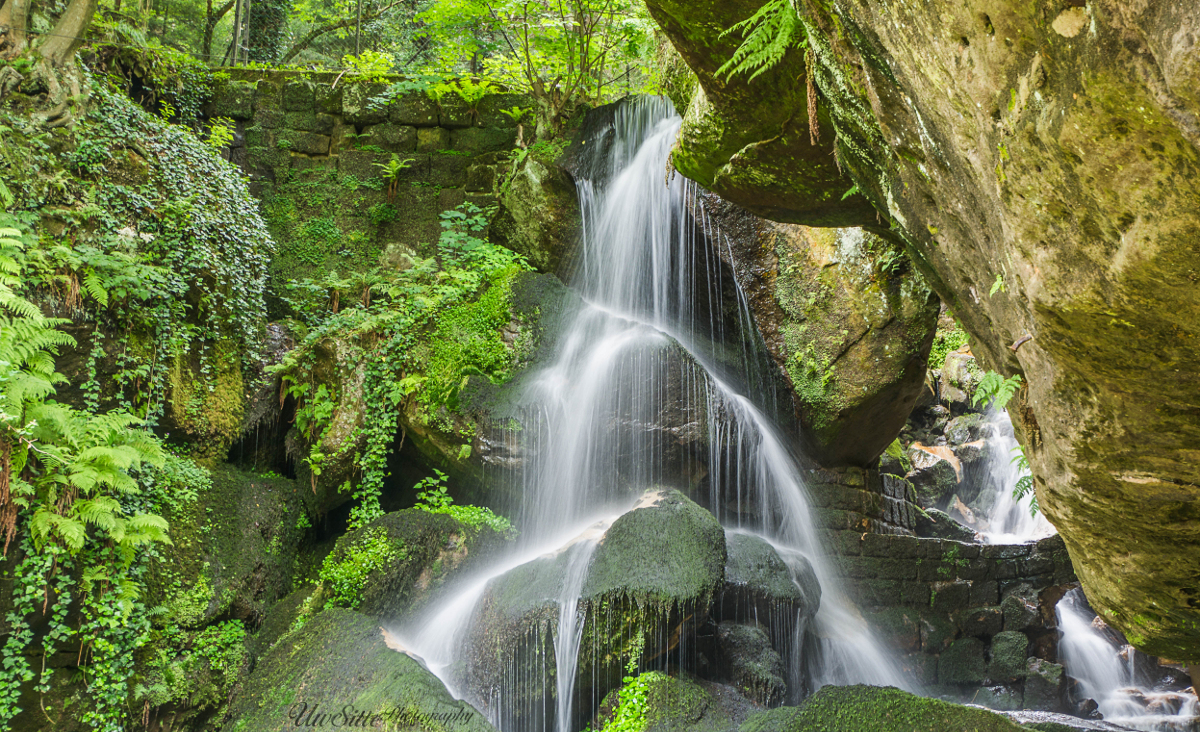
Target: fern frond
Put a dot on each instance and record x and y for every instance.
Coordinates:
(767, 36)
(93, 283)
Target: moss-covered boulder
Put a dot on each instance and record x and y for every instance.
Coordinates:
(649, 585)
(234, 549)
(754, 142)
(539, 210)
(846, 317)
(1043, 168)
(458, 421)
(339, 668)
(750, 663)
(760, 585)
(876, 709)
(656, 702)
(396, 563)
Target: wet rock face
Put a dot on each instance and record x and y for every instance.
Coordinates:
(847, 320)
(1043, 163)
(760, 155)
(649, 584)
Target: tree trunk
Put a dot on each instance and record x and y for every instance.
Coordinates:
(210, 26)
(66, 38)
(14, 21)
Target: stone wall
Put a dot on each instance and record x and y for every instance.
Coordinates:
(312, 145)
(970, 622)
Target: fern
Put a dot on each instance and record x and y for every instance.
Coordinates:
(768, 34)
(995, 388)
(1024, 485)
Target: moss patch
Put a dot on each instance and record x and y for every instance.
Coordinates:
(875, 709)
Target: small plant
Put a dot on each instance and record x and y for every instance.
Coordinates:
(369, 66)
(1024, 484)
(769, 33)
(998, 285)
(391, 173)
(346, 578)
(516, 114)
(220, 133)
(434, 497)
(995, 388)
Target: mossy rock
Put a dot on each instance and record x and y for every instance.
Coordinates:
(649, 586)
(963, 662)
(233, 551)
(751, 664)
(1008, 654)
(339, 660)
(674, 704)
(539, 215)
(435, 547)
(876, 709)
(760, 585)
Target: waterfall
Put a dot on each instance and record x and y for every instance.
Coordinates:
(660, 353)
(1124, 697)
(1010, 520)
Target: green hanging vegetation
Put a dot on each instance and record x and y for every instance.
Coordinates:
(420, 334)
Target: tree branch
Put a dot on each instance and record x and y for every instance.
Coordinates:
(319, 31)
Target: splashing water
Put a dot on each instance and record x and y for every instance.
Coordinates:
(1010, 520)
(659, 364)
(1095, 661)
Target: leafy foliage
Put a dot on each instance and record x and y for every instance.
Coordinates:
(996, 389)
(434, 497)
(946, 342)
(634, 700)
(767, 35)
(70, 493)
(345, 577)
(419, 334)
(1024, 485)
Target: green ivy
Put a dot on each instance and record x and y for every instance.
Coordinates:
(346, 577)
(433, 496)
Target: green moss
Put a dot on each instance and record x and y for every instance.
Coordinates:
(469, 339)
(944, 343)
(897, 452)
(340, 658)
(875, 709)
(347, 576)
(208, 408)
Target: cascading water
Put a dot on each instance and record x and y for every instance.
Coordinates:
(1010, 521)
(644, 366)
(1124, 696)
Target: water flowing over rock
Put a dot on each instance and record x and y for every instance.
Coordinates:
(844, 316)
(662, 343)
(1040, 164)
(648, 581)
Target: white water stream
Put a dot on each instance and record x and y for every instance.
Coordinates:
(1010, 520)
(647, 353)
(1095, 661)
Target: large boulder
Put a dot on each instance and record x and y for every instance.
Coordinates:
(338, 668)
(846, 318)
(649, 585)
(430, 549)
(753, 144)
(876, 709)
(539, 210)
(656, 702)
(761, 585)
(1042, 165)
